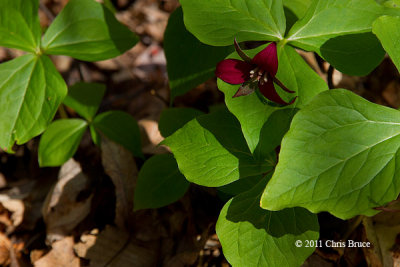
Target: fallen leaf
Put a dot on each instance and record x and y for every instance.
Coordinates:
(119, 164)
(63, 210)
(61, 255)
(382, 231)
(113, 247)
(151, 137)
(5, 247)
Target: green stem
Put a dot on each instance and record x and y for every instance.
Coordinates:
(62, 112)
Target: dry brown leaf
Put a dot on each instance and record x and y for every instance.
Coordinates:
(17, 209)
(392, 94)
(119, 164)
(382, 230)
(5, 247)
(61, 255)
(62, 211)
(151, 137)
(113, 248)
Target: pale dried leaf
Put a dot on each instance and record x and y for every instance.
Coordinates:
(61, 210)
(61, 255)
(5, 247)
(151, 137)
(113, 248)
(17, 209)
(382, 230)
(86, 241)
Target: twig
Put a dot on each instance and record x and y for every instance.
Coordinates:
(62, 112)
(330, 77)
(353, 225)
(157, 95)
(47, 11)
(127, 242)
(320, 62)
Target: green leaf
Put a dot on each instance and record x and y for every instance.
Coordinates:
(339, 31)
(298, 7)
(211, 151)
(272, 132)
(251, 236)
(340, 155)
(295, 74)
(159, 183)
(218, 22)
(389, 3)
(121, 128)
(331, 18)
(174, 118)
(295, 10)
(239, 186)
(96, 138)
(189, 62)
(110, 6)
(388, 31)
(353, 54)
(60, 141)
(31, 90)
(19, 24)
(85, 98)
(88, 31)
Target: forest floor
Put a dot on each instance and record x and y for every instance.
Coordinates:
(70, 216)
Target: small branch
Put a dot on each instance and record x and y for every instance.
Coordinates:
(62, 112)
(320, 62)
(157, 95)
(127, 242)
(330, 77)
(353, 225)
(47, 11)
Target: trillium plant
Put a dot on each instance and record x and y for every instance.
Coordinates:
(283, 148)
(286, 147)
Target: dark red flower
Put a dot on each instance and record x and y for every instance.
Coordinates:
(257, 74)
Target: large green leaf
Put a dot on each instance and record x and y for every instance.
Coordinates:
(189, 62)
(251, 236)
(387, 29)
(339, 31)
(19, 24)
(87, 30)
(297, 7)
(239, 186)
(31, 90)
(295, 10)
(331, 18)
(85, 98)
(293, 71)
(389, 3)
(272, 132)
(211, 151)
(354, 54)
(340, 155)
(174, 118)
(121, 128)
(60, 141)
(159, 183)
(218, 22)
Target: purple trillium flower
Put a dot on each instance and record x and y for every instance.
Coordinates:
(254, 74)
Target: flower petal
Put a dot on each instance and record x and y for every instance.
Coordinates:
(268, 91)
(243, 90)
(233, 71)
(267, 59)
